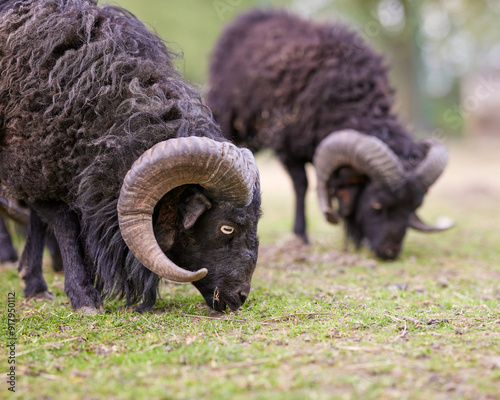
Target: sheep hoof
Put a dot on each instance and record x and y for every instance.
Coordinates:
(331, 217)
(45, 295)
(300, 239)
(90, 310)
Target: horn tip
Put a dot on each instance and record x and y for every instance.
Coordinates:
(444, 223)
(200, 274)
(331, 216)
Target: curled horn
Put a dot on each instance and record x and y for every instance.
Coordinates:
(427, 172)
(225, 171)
(433, 164)
(419, 225)
(365, 153)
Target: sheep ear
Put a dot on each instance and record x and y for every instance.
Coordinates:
(173, 207)
(346, 197)
(193, 208)
(345, 185)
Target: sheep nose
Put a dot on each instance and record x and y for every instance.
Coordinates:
(243, 296)
(389, 253)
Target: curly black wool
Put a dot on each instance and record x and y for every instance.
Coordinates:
(282, 82)
(84, 90)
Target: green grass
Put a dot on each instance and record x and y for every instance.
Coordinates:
(191, 27)
(319, 323)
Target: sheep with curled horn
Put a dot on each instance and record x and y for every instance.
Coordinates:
(13, 211)
(8, 253)
(38, 236)
(103, 139)
(315, 93)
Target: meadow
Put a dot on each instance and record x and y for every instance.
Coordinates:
(321, 322)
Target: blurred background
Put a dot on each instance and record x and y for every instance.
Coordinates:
(444, 55)
(444, 58)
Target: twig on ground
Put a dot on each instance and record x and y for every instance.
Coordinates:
(48, 376)
(359, 348)
(48, 345)
(246, 364)
(266, 321)
(402, 335)
(156, 345)
(296, 315)
(394, 318)
(217, 318)
(369, 365)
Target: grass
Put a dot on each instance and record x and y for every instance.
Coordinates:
(320, 323)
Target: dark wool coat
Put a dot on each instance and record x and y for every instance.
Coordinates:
(282, 82)
(84, 90)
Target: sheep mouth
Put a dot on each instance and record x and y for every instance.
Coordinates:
(387, 253)
(221, 302)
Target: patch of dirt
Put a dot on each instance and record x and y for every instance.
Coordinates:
(293, 254)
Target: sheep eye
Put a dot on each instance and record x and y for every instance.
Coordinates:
(376, 206)
(226, 229)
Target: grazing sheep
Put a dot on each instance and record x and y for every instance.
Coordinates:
(103, 139)
(316, 93)
(7, 251)
(10, 210)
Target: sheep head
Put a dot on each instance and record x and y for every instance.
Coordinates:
(194, 202)
(377, 197)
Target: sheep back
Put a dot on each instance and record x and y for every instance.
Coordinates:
(278, 81)
(84, 90)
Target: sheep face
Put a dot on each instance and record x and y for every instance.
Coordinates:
(374, 214)
(218, 236)
(383, 217)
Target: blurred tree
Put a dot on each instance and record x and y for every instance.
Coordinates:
(429, 44)
(190, 27)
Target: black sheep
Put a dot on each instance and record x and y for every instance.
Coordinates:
(7, 251)
(21, 216)
(10, 210)
(102, 138)
(316, 93)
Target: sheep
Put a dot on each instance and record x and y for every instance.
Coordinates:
(316, 93)
(7, 251)
(21, 216)
(104, 140)
(17, 213)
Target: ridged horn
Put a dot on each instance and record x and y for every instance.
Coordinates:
(225, 171)
(433, 164)
(365, 153)
(419, 225)
(14, 211)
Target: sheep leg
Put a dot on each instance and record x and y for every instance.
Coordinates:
(77, 282)
(7, 251)
(30, 266)
(149, 300)
(55, 252)
(297, 172)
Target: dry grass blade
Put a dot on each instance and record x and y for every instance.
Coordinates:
(297, 315)
(22, 353)
(369, 365)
